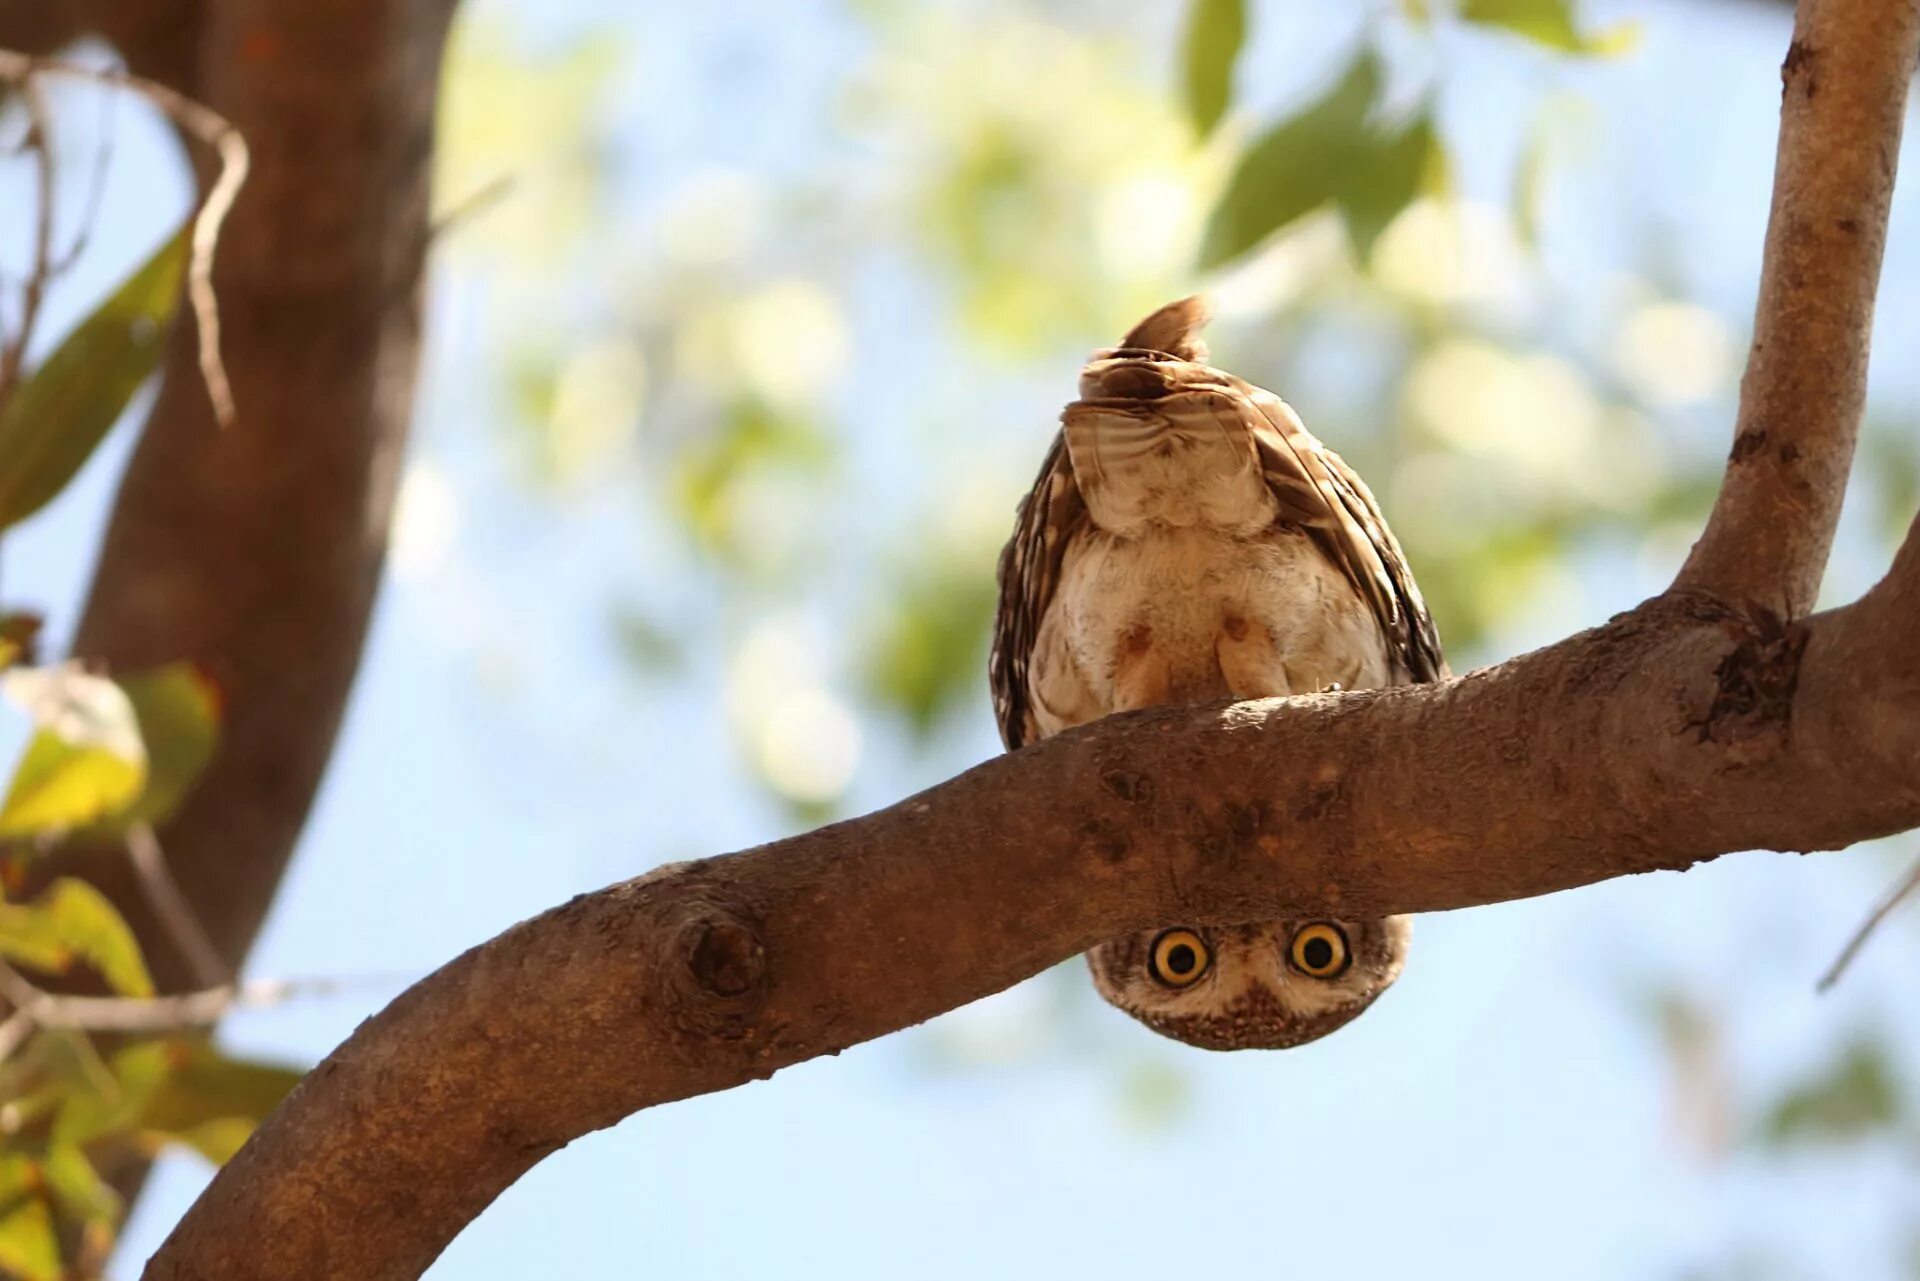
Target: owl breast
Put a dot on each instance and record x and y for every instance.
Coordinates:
(1197, 612)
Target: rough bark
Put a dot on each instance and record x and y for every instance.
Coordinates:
(1713, 718)
(1805, 384)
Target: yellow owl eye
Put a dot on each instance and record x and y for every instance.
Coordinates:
(1320, 950)
(1178, 958)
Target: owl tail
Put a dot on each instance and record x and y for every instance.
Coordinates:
(1174, 329)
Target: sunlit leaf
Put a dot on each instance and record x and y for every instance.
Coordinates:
(74, 922)
(1857, 1096)
(29, 1250)
(65, 408)
(84, 762)
(77, 1186)
(209, 1101)
(20, 1175)
(1550, 23)
(1215, 31)
(178, 709)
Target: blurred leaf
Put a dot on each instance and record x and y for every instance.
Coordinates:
(85, 761)
(1155, 1095)
(59, 414)
(178, 709)
(926, 653)
(1292, 169)
(1215, 31)
(20, 1176)
(72, 921)
(1328, 153)
(1550, 23)
(1383, 180)
(211, 1102)
(1529, 187)
(28, 1248)
(644, 642)
(1858, 1096)
(712, 470)
(78, 1187)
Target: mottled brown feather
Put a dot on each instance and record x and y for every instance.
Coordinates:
(1316, 491)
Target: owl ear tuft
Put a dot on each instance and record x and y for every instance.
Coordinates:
(1174, 329)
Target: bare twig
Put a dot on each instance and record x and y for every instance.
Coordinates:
(212, 129)
(14, 1032)
(96, 188)
(472, 204)
(1905, 886)
(163, 892)
(33, 1007)
(38, 142)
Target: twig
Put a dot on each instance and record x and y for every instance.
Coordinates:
(13, 1032)
(1907, 885)
(163, 892)
(476, 202)
(96, 188)
(35, 1007)
(211, 128)
(38, 141)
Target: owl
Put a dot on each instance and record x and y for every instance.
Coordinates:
(1188, 540)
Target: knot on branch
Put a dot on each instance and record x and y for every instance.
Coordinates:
(718, 970)
(1753, 704)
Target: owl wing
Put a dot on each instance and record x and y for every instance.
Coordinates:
(1318, 493)
(1051, 515)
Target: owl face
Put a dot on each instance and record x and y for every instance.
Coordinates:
(1269, 985)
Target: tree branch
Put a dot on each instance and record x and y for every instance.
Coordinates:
(706, 975)
(1843, 100)
(1714, 718)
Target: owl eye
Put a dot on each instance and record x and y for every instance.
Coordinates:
(1178, 958)
(1320, 950)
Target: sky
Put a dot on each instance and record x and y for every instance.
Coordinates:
(1507, 1110)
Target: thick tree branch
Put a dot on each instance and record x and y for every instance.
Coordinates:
(1672, 734)
(255, 549)
(1844, 93)
(1714, 718)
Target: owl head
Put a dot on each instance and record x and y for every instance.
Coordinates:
(1266, 986)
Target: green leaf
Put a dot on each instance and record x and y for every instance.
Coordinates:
(29, 1250)
(1295, 167)
(57, 416)
(77, 1187)
(1216, 29)
(1549, 23)
(19, 1176)
(1329, 153)
(1857, 1097)
(178, 709)
(72, 921)
(1383, 179)
(211, 1102)
(923, 656)
(86, 760)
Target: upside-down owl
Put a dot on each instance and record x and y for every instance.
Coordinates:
(1188, 540)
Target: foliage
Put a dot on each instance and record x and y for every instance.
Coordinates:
(53, 420)
(105, 752)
